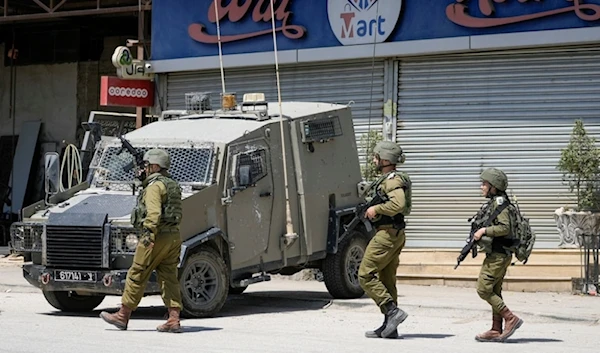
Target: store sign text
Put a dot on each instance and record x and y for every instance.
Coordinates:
(234, 12)
(459, 13)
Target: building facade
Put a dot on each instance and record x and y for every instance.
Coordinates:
(461, 85)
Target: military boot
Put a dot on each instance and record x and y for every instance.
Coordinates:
(511, 324)
(494, 332)
(394, 317)
(120, 319)
(377, 332)
(172, 325)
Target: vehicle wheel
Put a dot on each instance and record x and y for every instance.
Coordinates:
(71, 301)
(237, 290)
(340, 270)
(204, 283)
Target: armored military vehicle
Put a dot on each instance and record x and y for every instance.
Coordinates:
(230, 165)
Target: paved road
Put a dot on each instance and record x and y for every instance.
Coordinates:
(298, 316)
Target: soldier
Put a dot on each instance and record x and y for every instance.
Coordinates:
(495, 242)
(377, 272)
(158, 215)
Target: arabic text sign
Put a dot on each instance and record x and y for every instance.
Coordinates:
(187, 28)
(459, 13)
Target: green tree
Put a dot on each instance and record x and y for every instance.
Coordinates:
(580, 164)
(367, 144)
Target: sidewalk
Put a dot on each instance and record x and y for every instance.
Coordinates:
(461, 302)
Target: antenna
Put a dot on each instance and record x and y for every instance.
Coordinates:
(514, 197)
(290, 236)
(371, 94)
(219, 43)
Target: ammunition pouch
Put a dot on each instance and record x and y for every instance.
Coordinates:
(484, 244)
(397, 222)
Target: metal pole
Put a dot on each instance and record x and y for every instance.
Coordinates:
(139, 111)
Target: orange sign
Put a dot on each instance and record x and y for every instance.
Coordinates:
(458, 13)
(233, 12)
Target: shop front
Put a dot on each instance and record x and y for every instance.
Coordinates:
(460, 85)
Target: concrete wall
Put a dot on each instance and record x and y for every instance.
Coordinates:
(43, 92)
(61, 96)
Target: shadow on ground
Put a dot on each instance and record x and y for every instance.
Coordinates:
(425, 336)
(236, 305)
(533, 340)
(184, 329)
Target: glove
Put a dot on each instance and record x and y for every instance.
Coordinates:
(141, 175)
(146, 238)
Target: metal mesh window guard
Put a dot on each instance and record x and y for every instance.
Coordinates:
(189, 166)
(256, 160)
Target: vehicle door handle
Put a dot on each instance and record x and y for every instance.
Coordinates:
(265, 194)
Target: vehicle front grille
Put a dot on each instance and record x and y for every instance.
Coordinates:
(68, 246)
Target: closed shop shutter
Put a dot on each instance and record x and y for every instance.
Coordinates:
(331, 82)
(458, 115)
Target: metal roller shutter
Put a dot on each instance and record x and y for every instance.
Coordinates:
(331, 82)
(461, 114)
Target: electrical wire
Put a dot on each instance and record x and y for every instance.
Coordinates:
(74, 168)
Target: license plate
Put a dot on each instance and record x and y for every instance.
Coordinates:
(74, 276)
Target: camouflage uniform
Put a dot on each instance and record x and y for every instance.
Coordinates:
(377, 271)
(494, 244)
(157, 215)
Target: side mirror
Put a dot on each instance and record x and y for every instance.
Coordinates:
(51, 173)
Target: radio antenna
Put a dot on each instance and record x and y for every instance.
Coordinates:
(290, 236)
(220, 50)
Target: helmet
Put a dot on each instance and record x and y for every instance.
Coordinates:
(496, 178)
(390, 151)
(159, 157)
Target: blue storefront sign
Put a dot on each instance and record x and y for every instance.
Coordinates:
(188, 28)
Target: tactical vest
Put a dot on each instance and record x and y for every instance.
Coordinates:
(398, 220)
(489, 244)
(171, 210)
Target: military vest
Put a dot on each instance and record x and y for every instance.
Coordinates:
(489, 244)
(171, 209)
(397, 220)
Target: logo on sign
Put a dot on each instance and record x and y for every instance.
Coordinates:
(127, 92)
(363, 21)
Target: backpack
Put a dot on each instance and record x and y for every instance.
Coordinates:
(521, 232)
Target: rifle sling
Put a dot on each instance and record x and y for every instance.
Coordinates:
(495, 214)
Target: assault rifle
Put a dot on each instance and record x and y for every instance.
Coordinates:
(138, 157)
(470, 247)
(359, 215)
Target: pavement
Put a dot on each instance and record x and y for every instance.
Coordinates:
(285, 315)
(539, 306)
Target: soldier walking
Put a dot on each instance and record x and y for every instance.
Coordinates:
(495, 242)
(377, 272)
(157, 215)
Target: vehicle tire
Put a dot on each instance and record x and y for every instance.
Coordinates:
(237, 290)
(204, 283)
(71, 301)
(340, 270)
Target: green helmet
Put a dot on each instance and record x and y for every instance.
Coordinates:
(390, 151)
(159, 157)
(496, 178)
